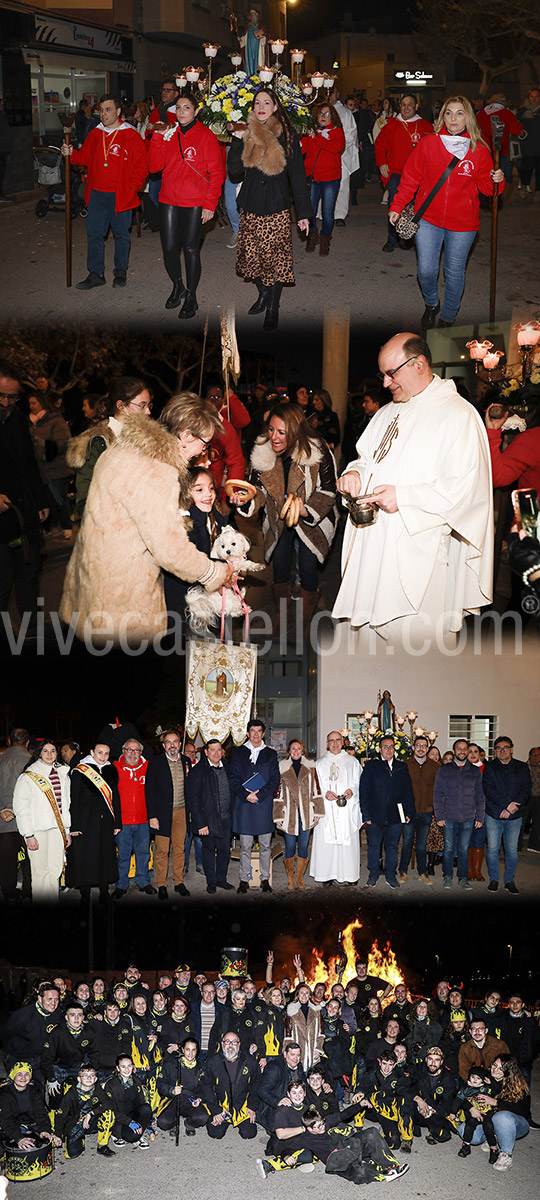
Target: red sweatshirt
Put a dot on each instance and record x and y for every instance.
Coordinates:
(238, 414)
(192, 165)
(397, 140)
(129, 153)
(520, 460)
(456, 205)
(131, 788)
(231, 459)
(322, 154)
(510, 122)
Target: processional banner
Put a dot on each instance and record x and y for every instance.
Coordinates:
(220, 684)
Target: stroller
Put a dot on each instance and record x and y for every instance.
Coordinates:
(51, 172)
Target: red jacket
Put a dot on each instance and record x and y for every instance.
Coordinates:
(230, 457)
(131, 786)
(510, 122)
(193, 175)
(397, 140)
(322, 154)
(156, 117)
(133, 168)
(520, 460)
(238, 414)
(456, 205)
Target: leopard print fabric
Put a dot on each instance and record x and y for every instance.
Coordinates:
(265, 248)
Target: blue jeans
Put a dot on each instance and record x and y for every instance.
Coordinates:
(457, 835)
(420, 825)
(101, 214)
(429, 243)
(307, 563)
(133, 839)
(509, 1127)
(326, 191)
(508, 832)
(192, 837)
(376, 836)
(230, 203)
(298, 845)
(392, 185)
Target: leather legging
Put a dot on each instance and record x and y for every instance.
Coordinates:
(181, 229)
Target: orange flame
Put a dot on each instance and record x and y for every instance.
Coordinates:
(380, 962)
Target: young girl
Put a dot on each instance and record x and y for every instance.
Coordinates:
(477, 1112)
(207, 522)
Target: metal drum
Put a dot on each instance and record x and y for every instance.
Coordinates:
(24, 1165)
(234, 962)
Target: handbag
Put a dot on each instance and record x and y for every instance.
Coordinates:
(309, 178)
(408, 221)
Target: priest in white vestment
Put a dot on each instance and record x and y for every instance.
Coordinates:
(424, 459)
(335, 853)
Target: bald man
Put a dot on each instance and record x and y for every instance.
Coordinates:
(424, 462)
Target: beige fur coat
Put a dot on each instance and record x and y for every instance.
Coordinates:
(312, 478)
(298, 794)
(132, 529)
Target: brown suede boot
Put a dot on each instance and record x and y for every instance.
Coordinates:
(289, 867)
(282, 591)
(324, 245)
(478, 858)
(309, 601)
(301, 864)
(470, 872)
(312, 242)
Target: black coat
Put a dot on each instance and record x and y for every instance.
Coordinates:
(64, 1050)
(24, 1034)
(159, 791)
(216, 1091)
(12, 1115)
(381, 790)
(20, 479)
(91, 859)
(124, 1102)
(243, 1023)
(109, 1041)
(202, 797)
(266, 194)
(70, 1108)
(273, 1084)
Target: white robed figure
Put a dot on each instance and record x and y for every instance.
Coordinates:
(425, 459)
(335, 853)
(350, 159)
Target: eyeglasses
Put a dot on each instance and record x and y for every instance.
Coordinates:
(390, 374)
(146, 407)
(10, 396)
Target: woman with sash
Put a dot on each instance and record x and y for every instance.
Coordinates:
(41, 803)
(95, 819)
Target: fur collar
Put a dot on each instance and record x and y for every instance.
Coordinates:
(263, 458)
(77, 447)
(152, 440)
(261, 146)
(286, 764)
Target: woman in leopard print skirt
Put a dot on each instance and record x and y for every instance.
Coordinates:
(266, 154)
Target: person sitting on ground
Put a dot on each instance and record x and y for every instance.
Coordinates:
(128, 1100)
(84, 1109)
(178, 1090)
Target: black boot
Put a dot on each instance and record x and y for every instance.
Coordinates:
(176, 296)
(272, 309)
(262, 300)
(431, 863)
(189, 307)
(428, 316)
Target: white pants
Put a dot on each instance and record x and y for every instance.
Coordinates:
(46, 865)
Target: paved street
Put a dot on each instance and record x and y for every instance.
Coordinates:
(379, 288)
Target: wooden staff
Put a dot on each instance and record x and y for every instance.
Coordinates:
(497, 130)
(67, 165)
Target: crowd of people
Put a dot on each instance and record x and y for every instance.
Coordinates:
(267, 167)
(87, 821)
(417, 554)
(359, 1064)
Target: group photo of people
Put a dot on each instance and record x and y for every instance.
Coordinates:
(356, 1076)
(131, 814)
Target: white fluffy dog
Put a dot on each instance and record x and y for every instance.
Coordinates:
(204, 607)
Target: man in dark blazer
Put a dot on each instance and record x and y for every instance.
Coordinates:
(209, 799)
(166, 807)
(253, 806)
(387, 803)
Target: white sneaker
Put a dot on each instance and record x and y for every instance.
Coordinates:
(232, 244)
(396, 1173)
(504, 1161)
(143, 1143)
(484, 1146)
(306, 1168)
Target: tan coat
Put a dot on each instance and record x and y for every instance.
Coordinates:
(311, 478)
(298, 794)
(309, 1035)
(133, 529)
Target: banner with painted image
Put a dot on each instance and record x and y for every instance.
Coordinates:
(220, 684)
